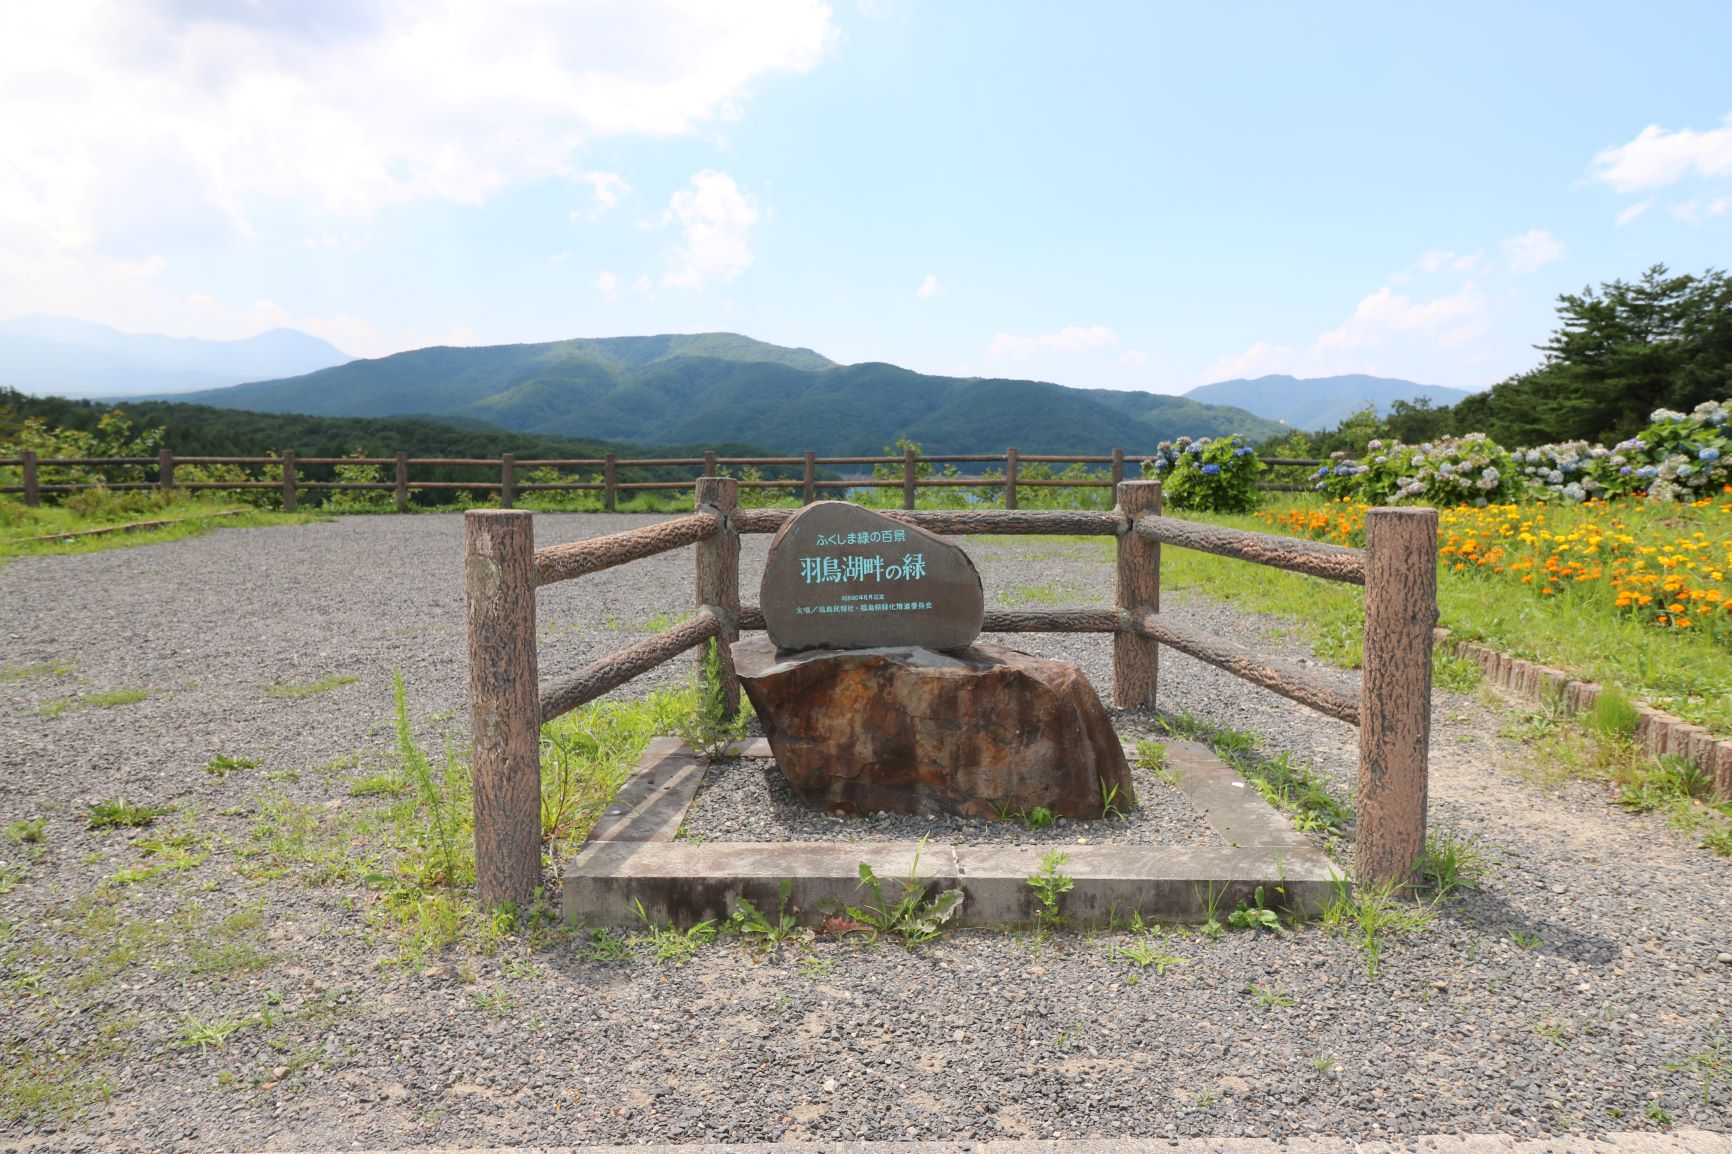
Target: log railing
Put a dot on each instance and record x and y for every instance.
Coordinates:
(1397, 567)
(290, 483)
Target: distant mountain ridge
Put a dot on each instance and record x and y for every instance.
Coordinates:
(1319, 402)
(67, 357)
(701, 387)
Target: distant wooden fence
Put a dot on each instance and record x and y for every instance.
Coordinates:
(1398, 568)
(610, 486)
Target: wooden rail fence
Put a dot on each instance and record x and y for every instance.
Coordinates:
(290, 483)
(1397, 567)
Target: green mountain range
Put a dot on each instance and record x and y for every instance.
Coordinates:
(714, 387)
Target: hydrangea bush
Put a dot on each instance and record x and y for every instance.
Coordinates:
(1678, 457)
(1216, 475)
(1470, 470)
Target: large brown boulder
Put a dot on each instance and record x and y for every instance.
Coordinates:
(980, 731)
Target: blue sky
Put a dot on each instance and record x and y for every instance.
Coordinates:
(1125, 196)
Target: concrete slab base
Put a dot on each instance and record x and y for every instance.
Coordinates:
(632, 859)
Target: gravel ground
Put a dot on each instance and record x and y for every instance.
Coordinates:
(749, 800)
(225, 1001)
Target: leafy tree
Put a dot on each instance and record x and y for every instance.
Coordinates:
(1620, 352)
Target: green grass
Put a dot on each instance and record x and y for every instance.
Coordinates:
(322, 685)
(118, 813)
(40, 669)
(193, 517)
(104, 700)
(222, 765)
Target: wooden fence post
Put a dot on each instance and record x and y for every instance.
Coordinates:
(811, 476)
(718, 584)
(402, 482)
(908, 474)
(1010, 478)
(709, 462)
(1395, 706)
(1136, 659)
(504, 705)
(164, 471)
(288, 480)
(1118, 468)
(507, 480)
(30, 494)
(609, 480)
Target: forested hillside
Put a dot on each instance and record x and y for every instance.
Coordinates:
(675, 390)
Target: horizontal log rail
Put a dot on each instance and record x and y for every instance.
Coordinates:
(593, 554)
(886, 474)
(1290, 681)
(614, 670)
(1052, 522)
(1332, 562)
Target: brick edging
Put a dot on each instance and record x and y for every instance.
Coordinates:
(1656, 731)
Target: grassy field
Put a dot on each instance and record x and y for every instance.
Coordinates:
(1632, 595)
(47, 529)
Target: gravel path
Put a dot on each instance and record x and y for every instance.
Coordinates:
(198, 995)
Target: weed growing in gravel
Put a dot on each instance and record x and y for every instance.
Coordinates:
(1270, 998)
(670, 944)
(1373, 914)
(1656, 1114)
(1552, 1030)
(222, 765)
(35, 1084)
(603, 945)
(1212, 927)
(104, 700)
(120, 813)
(1462, 674)
(388, 783)
(1050, 884)
(1144, 954)
(208, 1033)
(1613, 715)
(1323, 1063)
(913, 917)
(30, 831)
(495, 1000)
(1152, 756)
(763, 932)
(1109, 800)
(40, 669)
(1450, 862)
(1713, 1061)
(1524, 939)
(1256, 914)
(293, 692)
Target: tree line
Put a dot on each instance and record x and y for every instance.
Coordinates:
(1619, 352)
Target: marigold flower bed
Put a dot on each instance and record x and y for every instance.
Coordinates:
(1664, 565)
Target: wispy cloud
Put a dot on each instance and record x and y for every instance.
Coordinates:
(928, 288)
(1070, 339)
(1532, 250)
(1634, 210)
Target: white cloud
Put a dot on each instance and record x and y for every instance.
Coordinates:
(1635, 210)
(1532, 250)
(928, 288)
(1261, 359)
(608, 283)
(1451, 319)
(1658, 158)
(718, 219)
(1070, 339)
(131, 121)
(1698, 209)
(1132, 359)
(605, 190)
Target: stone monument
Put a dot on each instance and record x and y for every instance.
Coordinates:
(875, 694)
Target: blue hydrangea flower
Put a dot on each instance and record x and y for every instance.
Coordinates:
(1211, 469)
(1709, 454)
